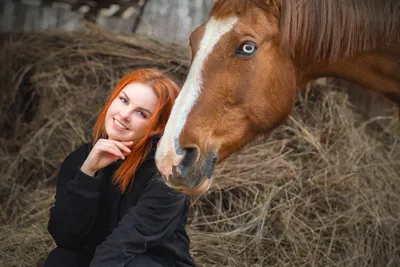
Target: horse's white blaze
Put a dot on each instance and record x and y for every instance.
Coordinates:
(214, 30)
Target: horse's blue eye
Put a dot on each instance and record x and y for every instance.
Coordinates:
(247, 48)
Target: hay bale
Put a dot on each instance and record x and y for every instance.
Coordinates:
(323, 190)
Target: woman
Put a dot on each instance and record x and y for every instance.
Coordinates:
(111, 208)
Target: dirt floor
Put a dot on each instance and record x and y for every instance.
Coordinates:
(322, 190)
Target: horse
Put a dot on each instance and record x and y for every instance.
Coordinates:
(248, 60)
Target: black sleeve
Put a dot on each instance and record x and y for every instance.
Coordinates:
(76, 201)
(158, 213)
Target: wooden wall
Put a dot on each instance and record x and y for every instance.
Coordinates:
(172, 20)
(16, 16)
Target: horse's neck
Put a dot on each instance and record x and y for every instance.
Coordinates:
(379, 72)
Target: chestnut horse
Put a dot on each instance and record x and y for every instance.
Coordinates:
(249, 58)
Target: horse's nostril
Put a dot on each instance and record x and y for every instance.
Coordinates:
(189, 159)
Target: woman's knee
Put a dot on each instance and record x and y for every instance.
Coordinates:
(61, 257)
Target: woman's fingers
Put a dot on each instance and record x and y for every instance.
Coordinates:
(125, 153)
(113, 151)
(121, 145)
(127, 143)
(117, 148)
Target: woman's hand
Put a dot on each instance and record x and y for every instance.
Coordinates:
(105, 152)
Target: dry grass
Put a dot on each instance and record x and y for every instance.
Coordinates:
(323, 190)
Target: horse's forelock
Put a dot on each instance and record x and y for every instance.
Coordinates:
(225, 8)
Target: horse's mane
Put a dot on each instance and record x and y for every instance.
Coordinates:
(328, 29)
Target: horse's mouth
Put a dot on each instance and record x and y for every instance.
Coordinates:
(197, 181)
(199, 190)
(197, 185)
(192, 177)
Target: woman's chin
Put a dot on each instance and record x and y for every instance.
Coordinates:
(112, 135)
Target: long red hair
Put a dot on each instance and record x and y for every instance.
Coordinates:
(167, 91)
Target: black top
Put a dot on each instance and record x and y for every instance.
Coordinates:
(92, 216)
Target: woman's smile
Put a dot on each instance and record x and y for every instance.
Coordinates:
(118, 125)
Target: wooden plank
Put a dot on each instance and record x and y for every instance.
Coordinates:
(173, 20)
(7, 16)
(48, 18)
(68, 20)
(19, 21)
(32, 18)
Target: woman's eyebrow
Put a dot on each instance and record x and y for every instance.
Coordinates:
(125, 95)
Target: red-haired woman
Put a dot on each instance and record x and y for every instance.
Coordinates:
(111, 208)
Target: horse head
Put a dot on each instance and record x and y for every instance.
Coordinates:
(239, 85)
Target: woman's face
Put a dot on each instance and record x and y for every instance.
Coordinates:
(129, 114)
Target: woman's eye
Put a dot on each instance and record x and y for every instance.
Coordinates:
(123, 99)
(247, 48)
(142, 114)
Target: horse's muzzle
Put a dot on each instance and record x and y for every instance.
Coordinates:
(193, 176)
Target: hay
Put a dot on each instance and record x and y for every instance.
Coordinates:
(323, 190)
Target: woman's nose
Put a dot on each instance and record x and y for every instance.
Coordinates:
(125, 114)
